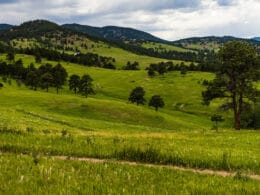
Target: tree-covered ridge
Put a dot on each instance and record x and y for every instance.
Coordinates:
(43, 33)
(5, 26)
(115, 33)
(211, 42)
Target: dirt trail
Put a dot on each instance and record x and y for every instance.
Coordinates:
(200, 171)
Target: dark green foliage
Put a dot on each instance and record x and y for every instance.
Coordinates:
(86, 86)
(32, 80)
(109, 66)
(205, 82)
(184, 69)
(157, 102)
(114, 33)
(137, 96)
(248, 116)
(30, 29)
(88, 59)
(1, 85)
(46, 81)
(216, 118)
(161, 68)
(10, 56)
(19, 71)
(151, 72)
(234, 80)
(45, 76)
(59, 76)
(38, 58)
(74, 82)
(257, 113)
(131, 66)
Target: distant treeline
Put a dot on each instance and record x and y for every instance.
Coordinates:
(198, 56)
(88, 59)
(164, 67)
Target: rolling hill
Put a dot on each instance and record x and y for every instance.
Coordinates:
(256, 38)
(114, 33)
(46, 34)
(210, 42)
(5, 26)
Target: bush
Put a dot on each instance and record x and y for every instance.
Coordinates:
(1, 85)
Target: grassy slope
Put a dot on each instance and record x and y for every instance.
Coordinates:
(105, 125)
(121, 56)
(161, 46)
(181, 102)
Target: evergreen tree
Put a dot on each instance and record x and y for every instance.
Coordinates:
(86, 86)
(74, 82)
(32, 80)
(234, 81)
(137, 96)
(59, 76)
(157, 102)
(46, 81)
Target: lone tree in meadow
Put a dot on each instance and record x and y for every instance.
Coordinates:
(157, 102)
(216, 118)
(151, 72)
(235, 78)
(74, 82)
(137, 96)
(59, 76)
(86, 86)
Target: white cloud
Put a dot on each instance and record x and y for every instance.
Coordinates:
(169, 19)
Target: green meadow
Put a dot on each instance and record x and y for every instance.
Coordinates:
(121, 56)
(165, 47)
(40, 124)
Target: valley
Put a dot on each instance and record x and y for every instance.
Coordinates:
(45, 136)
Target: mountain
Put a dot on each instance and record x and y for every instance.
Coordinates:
(5, 26)
(210, 42)
(256, 38)
(30, 29)
(114, 33)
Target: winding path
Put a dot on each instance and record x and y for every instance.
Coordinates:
(199, 171)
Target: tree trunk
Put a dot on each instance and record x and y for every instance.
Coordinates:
(237, 121)
(236, 112)
(237, 106)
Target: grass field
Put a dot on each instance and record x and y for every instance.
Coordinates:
(107, 126)
(121, 56)
(47, 175)
(165, 47)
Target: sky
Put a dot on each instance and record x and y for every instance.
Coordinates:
(167, 19)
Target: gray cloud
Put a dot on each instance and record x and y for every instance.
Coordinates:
(169, 19)
(7, 1)
(226, 2)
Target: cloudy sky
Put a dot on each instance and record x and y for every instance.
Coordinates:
(168, 19)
